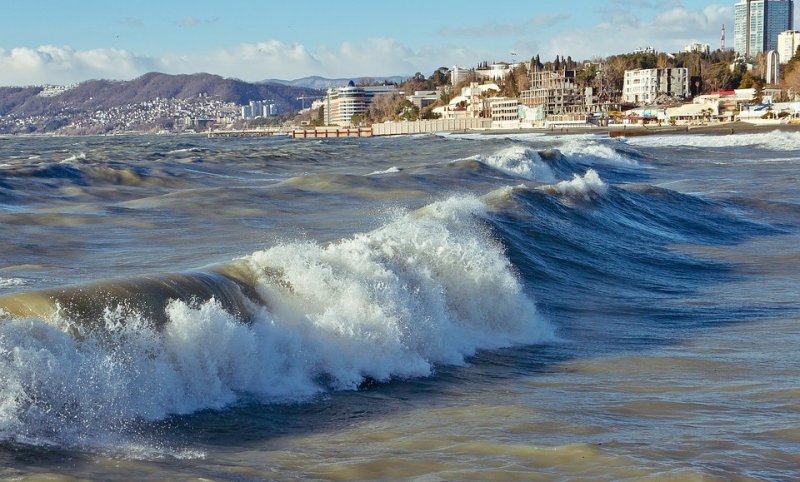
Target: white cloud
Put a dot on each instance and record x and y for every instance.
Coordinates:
(667, 28)
(667, 31)
(53, 64)
(247, 61)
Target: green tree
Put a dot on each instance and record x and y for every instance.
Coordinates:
(406, 110)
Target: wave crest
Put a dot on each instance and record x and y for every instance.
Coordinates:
(431, 287)
(522, 162)
(584, 187)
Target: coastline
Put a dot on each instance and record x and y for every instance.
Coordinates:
(728, 128)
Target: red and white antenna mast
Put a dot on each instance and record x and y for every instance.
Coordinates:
(722, 38)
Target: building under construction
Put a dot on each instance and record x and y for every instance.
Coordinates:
(556, 97)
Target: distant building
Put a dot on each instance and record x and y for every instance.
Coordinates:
(459, 74)
(644, 86)
(471, 103)
(504, 109)
(51, 90)
(788, 42)
(259, 108)
(698, 47)
(496, 71)
(423, 98)
(757, 24)
(343, 103)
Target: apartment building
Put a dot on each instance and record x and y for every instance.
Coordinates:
(644, 86)
(504, 109)
(788, 42)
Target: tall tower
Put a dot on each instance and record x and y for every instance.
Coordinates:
(722, 38)
(757, 24)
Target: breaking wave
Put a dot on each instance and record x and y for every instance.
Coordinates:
(520, 161)
(583, 187)
(430, 288)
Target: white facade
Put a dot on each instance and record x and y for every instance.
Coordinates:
(788, 42)
(458, 74)
(471, 103)
(422, 98)
(342, 103)
(495, 72)
(259, 108)
(504, 109)
(643, 86)
(698, 47)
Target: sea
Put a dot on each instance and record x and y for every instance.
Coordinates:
(515, 306)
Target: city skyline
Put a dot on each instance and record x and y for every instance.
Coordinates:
(69, 42)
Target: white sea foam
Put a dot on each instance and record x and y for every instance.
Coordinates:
(583, 187)
(75, 157)
(11, 282)
(520, 161)
(775, 140)
(187, 150)
(391, 170)
(431, 287)
(591, 151)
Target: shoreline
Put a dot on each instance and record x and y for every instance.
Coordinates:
(728, 128)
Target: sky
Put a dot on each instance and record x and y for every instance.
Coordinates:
(68, 41)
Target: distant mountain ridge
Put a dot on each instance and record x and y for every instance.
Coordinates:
(104, 94)
(322, 83)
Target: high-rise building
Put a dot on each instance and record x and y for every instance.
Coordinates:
(757, 24)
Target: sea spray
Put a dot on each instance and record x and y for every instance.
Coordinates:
(584, 187)
(431, 287)
(590, 151)
(520, 161)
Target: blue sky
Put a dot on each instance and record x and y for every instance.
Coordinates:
(67, 41)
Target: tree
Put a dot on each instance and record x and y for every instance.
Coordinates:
(791, 77)
(383, 106)
(585, 76)
(439, 77)
(406, 110)
(747, 81)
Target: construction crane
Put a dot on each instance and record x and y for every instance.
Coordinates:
(303, 98)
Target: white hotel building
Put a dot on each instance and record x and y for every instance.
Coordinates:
(342, 103)
(644, 86)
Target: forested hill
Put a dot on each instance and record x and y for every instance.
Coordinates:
(106, 94)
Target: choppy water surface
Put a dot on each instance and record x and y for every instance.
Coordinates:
(459, 307)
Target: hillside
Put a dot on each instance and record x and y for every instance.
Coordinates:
(316, 82)
(105, 94)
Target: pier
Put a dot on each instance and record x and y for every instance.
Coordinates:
(297, 133)
(249, 133)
